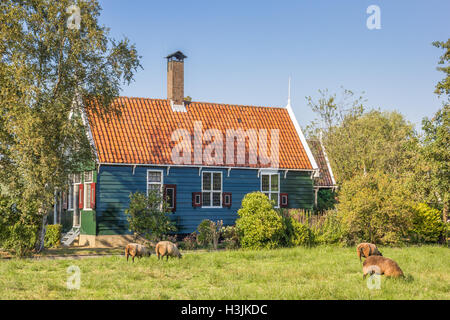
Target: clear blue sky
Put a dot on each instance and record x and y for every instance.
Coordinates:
(242, 52)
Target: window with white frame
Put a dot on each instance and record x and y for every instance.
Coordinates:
(75, 181)
(270, 186)
(154, 180)
(88, 179)
(212, 189)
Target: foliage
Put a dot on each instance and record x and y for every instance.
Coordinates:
(209, 233)
(375, 208)
(443, 86)
(53, 236)
(17, 229)
(326, 199)
(329, 229)
(427, 224)
(190, 241)
(149, 216)
(259, 224)
(230, 237)
(46, 70)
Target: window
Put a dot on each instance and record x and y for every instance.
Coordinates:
(74, 182)
(212, 189)
(154, 180)
(270, 186)
(88, 190)
(227, 199)
(170, 196)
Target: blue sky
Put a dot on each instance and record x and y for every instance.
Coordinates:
(242, 52)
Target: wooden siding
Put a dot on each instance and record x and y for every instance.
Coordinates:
(116, 183)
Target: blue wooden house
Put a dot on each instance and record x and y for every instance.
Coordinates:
(204, 157)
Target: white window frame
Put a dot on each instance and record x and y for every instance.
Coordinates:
(212, 190)
(74, 191)
(270, 192)
(161, 183)
(87, 195)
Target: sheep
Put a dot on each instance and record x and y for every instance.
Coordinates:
(381, 265)
(366, 249)
(136, 250)
(166, 249)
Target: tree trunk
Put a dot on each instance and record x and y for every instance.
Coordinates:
(445, 218)
(40, 242)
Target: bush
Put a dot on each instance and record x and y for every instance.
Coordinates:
(230, 237)
(209, 233)
(329, 229)
(326, 200)
(18, 230)
(295, 232)
(427, 224)
(190, 241)
(148, 216)
(259, 224)
(375, 208)
(53, 236)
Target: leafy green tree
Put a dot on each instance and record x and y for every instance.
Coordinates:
(46, 70)
(443, 86)
(149, 216)
(375, 208)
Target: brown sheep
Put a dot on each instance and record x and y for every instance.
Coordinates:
(166, 249)
(136, 250)
(366, 249)
(381, 265)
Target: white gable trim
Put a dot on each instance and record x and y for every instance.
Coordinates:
(302, 137)
(327, 160)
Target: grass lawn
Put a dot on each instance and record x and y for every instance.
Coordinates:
(298, 273)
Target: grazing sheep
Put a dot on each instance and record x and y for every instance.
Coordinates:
(136, 250)
(381, 265)
(366, 249)
(166, 249)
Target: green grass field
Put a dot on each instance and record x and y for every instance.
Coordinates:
(298, 273)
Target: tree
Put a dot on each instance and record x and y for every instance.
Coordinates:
(443, 86)
(46, 70)
(375, 208)
(148, 215)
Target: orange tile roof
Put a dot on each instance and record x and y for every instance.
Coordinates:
(324, 179)
(142, 133)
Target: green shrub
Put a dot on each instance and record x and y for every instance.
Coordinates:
(295, 232)
(427, 224)
(375, 208)
(259, 224)
(230, 237)
(329, 229)
(209, 233)
(18, 230)
(53, 236)
(149, 216)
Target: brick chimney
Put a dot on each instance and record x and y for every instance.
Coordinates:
(175, 78)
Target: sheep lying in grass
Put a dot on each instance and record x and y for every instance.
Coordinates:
(136, 250)
(381, 265)
(166, 249)
(366, 249)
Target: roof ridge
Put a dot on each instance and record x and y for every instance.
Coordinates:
(205, 102)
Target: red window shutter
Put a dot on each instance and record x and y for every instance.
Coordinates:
(284, 200)
(93, 195)
(196, 199)
(80, 196)
(226, 199)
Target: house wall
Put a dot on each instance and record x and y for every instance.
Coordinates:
(116, 183)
